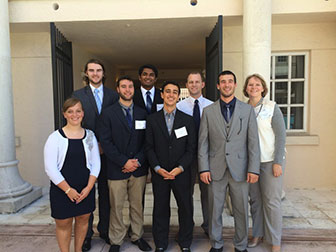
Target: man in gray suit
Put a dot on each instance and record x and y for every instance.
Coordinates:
(228, 155)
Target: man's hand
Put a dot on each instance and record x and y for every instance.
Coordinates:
(165, 174)
(277, 170)
(252, 178)
(130, 166)
(176, 171)
(205, 177)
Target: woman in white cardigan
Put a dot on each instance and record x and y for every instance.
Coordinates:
(72, 162)
(265, 195)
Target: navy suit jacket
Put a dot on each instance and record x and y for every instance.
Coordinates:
(121, 143)
(166, 150)
(138, 99)
(88, 101)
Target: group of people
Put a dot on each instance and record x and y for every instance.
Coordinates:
(116, 137)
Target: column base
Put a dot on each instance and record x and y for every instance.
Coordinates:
(12, 205)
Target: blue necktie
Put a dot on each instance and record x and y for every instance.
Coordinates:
(148, 102)
(129, 118)
(98, 101)
(197, 115)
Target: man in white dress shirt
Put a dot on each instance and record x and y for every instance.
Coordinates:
(193, 106)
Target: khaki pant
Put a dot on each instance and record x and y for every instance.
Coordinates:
(118, 190)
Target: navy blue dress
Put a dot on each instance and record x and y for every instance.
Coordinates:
(76, 173)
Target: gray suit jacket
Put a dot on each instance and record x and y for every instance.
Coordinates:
(237, 149)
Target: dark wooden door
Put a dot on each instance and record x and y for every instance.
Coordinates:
(214, 59)
(61, 56)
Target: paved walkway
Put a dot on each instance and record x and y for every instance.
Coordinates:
(309, 224)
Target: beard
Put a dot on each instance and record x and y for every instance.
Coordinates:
(126, 98)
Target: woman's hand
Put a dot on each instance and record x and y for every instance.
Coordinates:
(277, 170)
(83, 194)
(73, 195)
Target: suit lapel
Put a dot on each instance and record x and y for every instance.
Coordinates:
(220, 118)
(235, 124)
(162, 124)
(92, 100)
(120, 114)
(105, 97)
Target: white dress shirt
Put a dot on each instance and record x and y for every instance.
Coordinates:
(187, 105)
(144, 94)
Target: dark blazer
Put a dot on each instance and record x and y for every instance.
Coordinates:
(91, 115)
(138, 99)
(121, 143)
(168, 151)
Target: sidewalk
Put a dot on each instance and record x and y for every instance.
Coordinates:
(309, 221)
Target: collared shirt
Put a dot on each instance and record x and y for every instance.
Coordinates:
(144, 94)
(100, 93)
(125, 108)
(169, 117)
(223, 106)
(187, 105)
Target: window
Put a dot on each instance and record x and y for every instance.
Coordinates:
(289, 88)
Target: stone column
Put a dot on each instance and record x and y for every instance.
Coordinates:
(257, 32)
(15, 193)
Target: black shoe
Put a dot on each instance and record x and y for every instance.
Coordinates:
(159, 250)
(86, 244)
(216, 250)
(185, 250)
(114, 248)
(105, 238)
(142, 245)
(237, 250)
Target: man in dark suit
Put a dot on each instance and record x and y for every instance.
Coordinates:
(147, 96)
(95, 97)
(170, 149)
(121, 131)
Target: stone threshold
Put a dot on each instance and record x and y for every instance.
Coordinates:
(327, 235)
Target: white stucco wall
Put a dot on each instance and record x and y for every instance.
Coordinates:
(33, 101)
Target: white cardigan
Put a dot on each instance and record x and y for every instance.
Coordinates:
(55, 151)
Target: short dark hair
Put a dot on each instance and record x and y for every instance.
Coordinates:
(196, 72)
(263, 83)
(227, 72)
(95, 61)
(125, 77)
(170, 82)
(150, 67)
(70, 102)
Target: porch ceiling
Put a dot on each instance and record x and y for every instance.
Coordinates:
(167, 43)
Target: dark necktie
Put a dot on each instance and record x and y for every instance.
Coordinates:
(148, 102)
(197, 115)
(129, 117)
(228, 113)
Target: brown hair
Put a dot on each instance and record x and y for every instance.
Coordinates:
(263, 83)
(70, 102)
(196, 72)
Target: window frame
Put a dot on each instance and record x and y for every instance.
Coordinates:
(289, 80)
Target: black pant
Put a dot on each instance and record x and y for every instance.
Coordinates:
(103, 203)
(161, 212)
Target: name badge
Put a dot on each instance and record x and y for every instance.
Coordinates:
(181, 132)
(140, 124)
(159, 107)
